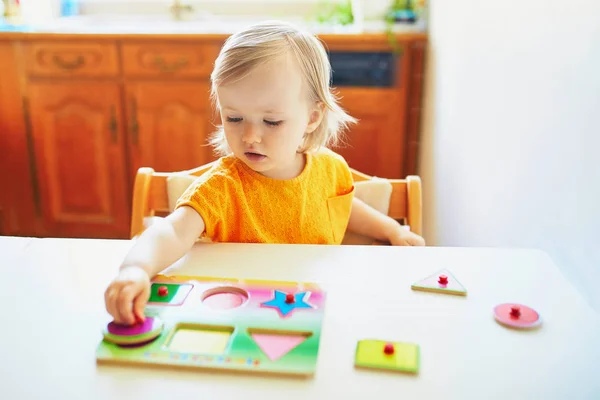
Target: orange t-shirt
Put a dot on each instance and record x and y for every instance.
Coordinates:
(240, 205)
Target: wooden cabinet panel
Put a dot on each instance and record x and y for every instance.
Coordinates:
(169, 125)
(155, 59)
(414, 107)
(17, 194)
(375, 145)
(3, 228)
(71, 59)
(79, 150)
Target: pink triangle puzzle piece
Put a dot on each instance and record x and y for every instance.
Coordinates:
(276, 346)
(441, 282)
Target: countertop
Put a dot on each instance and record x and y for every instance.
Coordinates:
(151, 27)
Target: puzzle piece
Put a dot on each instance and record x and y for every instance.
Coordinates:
(379, 354)
(285, 303)
(276, 346)
(441, 282)
(138, 333)
(517, 316)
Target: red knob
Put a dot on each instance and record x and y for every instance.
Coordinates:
(515, 311)
(388, 348)
(443, 280)
(163, 291)
(290, 298)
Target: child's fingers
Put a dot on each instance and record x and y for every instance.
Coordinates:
(417, 241)
(110, 299)
(125, 304)
(140, 302)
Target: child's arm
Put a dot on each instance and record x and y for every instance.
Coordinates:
(165, 241)
(366, 221)
(159, 246)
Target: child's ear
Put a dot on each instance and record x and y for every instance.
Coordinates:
(315, 117)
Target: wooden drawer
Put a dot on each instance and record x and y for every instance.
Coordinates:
(369, 101)
(160, 59)
(71, 59)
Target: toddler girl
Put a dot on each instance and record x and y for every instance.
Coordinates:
(276, 182)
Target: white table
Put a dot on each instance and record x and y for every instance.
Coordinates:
(465, 354)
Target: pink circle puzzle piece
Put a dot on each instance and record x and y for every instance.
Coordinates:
(517, 316)
(132, 330)
(138, 333)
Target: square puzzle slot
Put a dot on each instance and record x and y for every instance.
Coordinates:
(198, 339)
(169, 293)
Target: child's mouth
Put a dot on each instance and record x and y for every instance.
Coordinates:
(254, 156)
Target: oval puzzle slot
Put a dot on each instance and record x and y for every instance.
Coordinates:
(225, 297)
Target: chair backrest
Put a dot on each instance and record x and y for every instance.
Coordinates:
(150, 197)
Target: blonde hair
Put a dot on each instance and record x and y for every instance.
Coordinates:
(263, 42)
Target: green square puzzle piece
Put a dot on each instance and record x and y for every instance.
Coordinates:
(371, 354)
(176, 293)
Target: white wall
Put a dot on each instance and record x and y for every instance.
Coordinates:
(511, 145)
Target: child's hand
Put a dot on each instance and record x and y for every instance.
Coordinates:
(127, 295)
(403, 237)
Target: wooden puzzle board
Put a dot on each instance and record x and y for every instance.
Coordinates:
(229, 324)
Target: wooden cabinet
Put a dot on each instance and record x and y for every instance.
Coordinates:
(80, 158)
(19, 215)
(169, 124)
(181, 60)
(375, 144)
(69, 59)
(169, 114)
(79, 114)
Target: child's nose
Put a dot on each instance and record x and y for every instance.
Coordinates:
(251, 134)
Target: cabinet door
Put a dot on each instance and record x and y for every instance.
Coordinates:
(80, 157)
(375, 145)
(18, 213)
(169, 125)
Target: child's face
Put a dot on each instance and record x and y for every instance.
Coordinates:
(265, 117)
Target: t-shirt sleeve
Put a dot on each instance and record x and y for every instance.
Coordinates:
(343, 174)
(207, 195)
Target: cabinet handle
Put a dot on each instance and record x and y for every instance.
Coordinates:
(160, 63)
(33, 172)
(59, 62)
(135, 128)
(113, 124)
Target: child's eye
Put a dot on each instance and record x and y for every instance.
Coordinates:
(273, 123)
(230, 119)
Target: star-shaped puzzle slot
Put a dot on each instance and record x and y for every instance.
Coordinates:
(285, 303)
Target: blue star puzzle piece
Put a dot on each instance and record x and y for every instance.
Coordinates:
(278, 302)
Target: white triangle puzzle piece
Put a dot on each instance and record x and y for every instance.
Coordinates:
(442, 281)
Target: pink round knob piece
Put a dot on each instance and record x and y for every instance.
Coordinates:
(388, 349)
(515, 311)
(163, 291)
(443, 280)
(290, 298)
